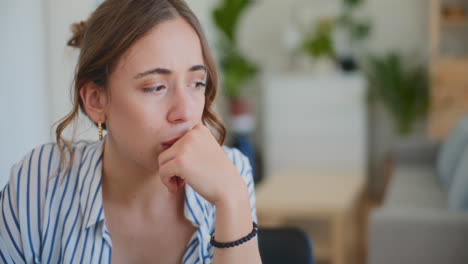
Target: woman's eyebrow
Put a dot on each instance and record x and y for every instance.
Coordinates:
(198, 68)
(153, 71)
(164, 71)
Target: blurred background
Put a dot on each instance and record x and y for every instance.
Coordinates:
(350, 111)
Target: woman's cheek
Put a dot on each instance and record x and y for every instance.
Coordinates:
(201, 105)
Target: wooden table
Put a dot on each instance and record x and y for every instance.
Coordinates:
(330, 197)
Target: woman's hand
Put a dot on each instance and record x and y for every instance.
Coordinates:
(197, 159)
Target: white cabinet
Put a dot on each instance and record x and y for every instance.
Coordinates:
(314, 122)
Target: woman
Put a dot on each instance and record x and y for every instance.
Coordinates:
(159, 184)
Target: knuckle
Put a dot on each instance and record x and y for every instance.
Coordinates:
(179, 161)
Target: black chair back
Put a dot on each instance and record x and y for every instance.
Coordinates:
(285, 246)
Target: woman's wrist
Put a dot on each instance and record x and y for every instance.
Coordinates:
(234, 204)
(233, 191)
(233, 217)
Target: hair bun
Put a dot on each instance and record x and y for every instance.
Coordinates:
(78, 30)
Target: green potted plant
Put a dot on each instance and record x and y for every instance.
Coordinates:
(336, 39)
(236, 69)
(403, 90)
(355, 31)
(319, 43)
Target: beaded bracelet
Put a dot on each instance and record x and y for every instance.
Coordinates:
(252, 234)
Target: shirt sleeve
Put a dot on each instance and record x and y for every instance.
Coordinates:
(245, 169)
(21, 202)
(11, 246)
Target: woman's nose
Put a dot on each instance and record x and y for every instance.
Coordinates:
(181, 107)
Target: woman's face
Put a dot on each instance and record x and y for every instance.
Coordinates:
(157, 92)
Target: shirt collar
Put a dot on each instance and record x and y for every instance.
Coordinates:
(90, 184)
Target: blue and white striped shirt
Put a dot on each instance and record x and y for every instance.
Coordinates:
(47, 219)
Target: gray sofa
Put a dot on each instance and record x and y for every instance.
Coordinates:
(424, 217)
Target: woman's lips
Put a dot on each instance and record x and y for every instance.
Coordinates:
(167, 144)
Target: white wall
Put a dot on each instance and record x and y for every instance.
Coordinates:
(62, 59)
(398, 25)
(23, 73)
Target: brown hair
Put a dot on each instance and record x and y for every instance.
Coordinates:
(109, 32)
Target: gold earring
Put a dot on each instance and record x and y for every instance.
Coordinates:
(100, 130)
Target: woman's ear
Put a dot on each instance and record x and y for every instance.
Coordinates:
(94, 101)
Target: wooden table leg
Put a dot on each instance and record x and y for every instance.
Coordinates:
(338, 239)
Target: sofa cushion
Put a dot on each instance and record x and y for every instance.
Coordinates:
(458, 192)
(451, 151)
(415, 186)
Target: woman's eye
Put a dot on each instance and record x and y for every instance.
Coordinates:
(158, 88)
(199, 85)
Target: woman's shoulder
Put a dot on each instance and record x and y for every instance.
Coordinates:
(236, 156)
(50, 152)
(241, 162)
(45, 160)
